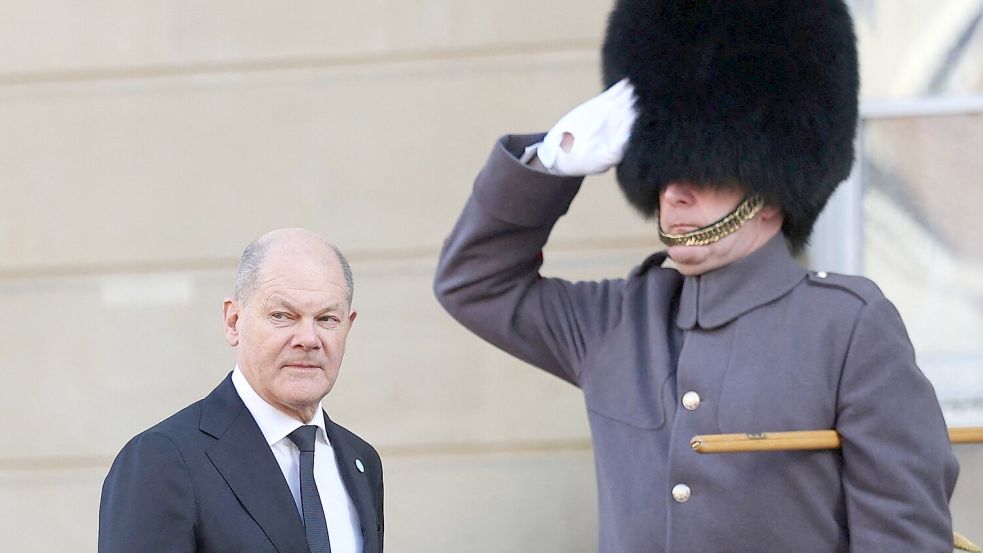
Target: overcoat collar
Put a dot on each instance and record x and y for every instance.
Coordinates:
(718, 297)
(246, 462)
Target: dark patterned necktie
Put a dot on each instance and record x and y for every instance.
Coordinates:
(310, 500)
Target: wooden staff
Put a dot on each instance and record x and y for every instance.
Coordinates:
(800, 440)
(813, 440)
(962, 544)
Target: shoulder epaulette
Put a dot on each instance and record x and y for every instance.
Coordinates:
(862, 288)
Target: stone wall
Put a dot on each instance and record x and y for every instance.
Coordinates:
(143, 144)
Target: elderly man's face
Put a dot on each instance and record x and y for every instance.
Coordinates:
(290, 332)
(686, 207)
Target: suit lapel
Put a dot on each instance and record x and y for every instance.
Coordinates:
(356, 483)
(247, 464)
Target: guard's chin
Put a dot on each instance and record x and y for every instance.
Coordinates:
(689, 260)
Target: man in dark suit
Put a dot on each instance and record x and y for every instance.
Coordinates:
(258, 465)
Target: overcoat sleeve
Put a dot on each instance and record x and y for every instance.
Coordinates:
(898, 467)
(148, 499)
(488, 276)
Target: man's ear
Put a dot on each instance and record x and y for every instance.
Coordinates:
(230, 310)
(770, 212)
(351, 318)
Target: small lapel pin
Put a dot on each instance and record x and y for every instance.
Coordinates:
(359, 465)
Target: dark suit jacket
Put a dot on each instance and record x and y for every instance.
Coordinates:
(206, 480)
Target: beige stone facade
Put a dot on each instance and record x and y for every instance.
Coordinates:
(143, 144)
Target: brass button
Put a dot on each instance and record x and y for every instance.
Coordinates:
(681, 493)
(691, 400)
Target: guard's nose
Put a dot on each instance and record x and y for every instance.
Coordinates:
(676, 193)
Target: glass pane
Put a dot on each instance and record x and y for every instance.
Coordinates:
(913, 49)
(923, 234)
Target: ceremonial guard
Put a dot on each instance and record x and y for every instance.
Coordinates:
(731, 123)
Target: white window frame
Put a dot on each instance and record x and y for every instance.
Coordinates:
(838, 238)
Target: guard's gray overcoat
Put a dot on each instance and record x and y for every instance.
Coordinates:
(764, 344)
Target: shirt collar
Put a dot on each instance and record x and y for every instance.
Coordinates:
(718, 297)
(273, 423)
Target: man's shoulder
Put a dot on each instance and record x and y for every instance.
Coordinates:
(183, 428)
(176, 432)
(181, 423)
(846, 287)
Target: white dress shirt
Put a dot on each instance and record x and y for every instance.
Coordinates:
(344, 530)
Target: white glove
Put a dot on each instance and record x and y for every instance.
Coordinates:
(599, 128)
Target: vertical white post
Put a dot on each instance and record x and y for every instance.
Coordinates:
(837, 239)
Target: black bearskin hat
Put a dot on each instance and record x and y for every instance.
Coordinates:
(761, 93)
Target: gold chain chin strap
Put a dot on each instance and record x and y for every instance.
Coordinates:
(713, 232)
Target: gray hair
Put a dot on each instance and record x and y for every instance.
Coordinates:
(346, 268)
(252, 260)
